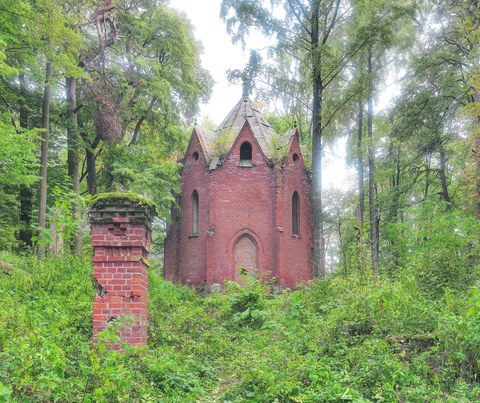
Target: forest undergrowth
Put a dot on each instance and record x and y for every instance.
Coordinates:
(349, 338)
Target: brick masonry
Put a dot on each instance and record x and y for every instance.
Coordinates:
(245, 217)
(121, 234)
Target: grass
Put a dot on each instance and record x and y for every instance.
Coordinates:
(353, 339)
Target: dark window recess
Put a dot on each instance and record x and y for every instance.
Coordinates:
(195, 156)
(194, 213)
(295, 214)
(246, 151)
(295, 157)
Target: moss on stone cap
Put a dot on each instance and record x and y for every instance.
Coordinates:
(118, 199)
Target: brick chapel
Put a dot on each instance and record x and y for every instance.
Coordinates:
(243, 209)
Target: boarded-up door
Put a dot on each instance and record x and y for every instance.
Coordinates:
(245, 257)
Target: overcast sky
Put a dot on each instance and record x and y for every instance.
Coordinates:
(219, 54)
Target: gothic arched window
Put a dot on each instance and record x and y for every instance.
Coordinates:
(194, 213)
(246, 151)
(295, 214)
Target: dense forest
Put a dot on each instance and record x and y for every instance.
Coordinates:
(101, 96)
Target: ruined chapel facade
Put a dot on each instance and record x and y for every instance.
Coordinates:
(244, 207)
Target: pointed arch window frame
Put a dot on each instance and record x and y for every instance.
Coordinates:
(246, 154)
(295, 214)
(195, 213)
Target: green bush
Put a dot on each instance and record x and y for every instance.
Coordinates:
(344, 339)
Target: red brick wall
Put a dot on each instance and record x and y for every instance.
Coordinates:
(237, 201)
(121, 241)
(243, 204)
(185, 253)
(296, 250)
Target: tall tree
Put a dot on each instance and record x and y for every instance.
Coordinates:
(387, 25)
(57, 37)
(312, 31)
(461, 31)
(42, 196)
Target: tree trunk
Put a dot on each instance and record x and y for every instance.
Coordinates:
(91, 171)
(371, 172)
(318, 258)
(361, 184)
(42, 203)
(427, 176)
(393, 213)
(23, 104)
(477, 163)
(476, 149)
(73, 165)
(443, 178)
(361, 188)
(343, 260)
(26, 195)
(26, 204)
(397, 180)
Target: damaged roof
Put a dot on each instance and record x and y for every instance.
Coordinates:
(234, 121)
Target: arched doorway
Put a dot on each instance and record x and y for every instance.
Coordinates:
(245, 257)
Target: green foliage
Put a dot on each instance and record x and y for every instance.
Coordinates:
(278, 148)
(440, 251)
(350, 338)
(45, 326)
(247, 303)
(223, 143)
(118, 196)
(17, 161)
(135, 94)
(60, 214)
(144, 170)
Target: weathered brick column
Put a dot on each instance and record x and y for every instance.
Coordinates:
(121, 234)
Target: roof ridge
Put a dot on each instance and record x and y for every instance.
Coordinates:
(243, 111)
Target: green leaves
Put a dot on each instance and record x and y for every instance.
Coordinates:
(17, 164)
(354, 338)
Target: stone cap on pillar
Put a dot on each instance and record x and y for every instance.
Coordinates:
(104, 207)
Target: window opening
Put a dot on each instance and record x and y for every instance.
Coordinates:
(195, 156)
(194, 213)
(246, 151)
(295, 214)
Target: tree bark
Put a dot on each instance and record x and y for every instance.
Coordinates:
(443, 177)
(361, 184)
(23, 104)
(428, 165)
(26, 194)
(476, 149)
(477, 163)
(318, 258)
(371, 171)
(361, 188)
(91, 171)
(42, 203)
(73, 146)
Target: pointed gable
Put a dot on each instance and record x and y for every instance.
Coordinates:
(207, 140)
(243, 112)
(288, 136)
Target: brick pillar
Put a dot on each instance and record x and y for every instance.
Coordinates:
(279, 225)
(121, 234)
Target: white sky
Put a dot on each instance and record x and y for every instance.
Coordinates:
(219, 54)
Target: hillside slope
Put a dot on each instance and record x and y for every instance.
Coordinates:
(350, 338)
